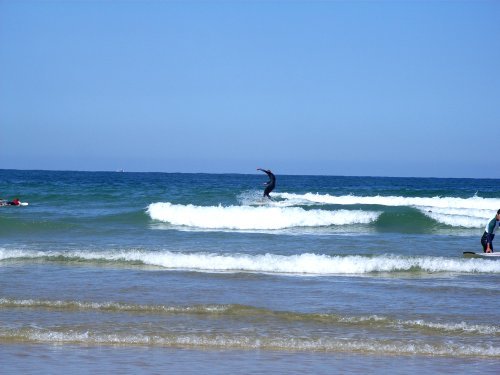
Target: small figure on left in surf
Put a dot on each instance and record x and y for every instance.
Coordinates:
(14, 202)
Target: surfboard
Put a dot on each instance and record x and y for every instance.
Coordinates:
(471, 254)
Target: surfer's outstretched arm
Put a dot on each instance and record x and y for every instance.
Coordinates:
(268, 172)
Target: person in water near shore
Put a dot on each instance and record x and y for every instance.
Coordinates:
(489, 233)
(14, 202)
(270, 184)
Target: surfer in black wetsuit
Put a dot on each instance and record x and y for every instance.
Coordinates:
(269, 184)
(489, 233)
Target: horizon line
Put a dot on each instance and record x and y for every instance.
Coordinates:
(240, 173)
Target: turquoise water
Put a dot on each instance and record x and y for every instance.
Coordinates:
(143, 271)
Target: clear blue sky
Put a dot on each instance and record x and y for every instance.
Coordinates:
(390, 88)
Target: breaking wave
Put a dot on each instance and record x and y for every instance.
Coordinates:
(302, 264)
(254, 218)
(442, 202)
(452, 211)
(241, 311)
(228, 341)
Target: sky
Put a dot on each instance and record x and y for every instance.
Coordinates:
(367, 88)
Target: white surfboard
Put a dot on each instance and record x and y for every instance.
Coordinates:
(471, 254)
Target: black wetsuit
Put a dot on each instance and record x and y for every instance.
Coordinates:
(270, 184)
(489, 233)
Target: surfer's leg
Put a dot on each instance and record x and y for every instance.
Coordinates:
(267, 191)
(484, 241)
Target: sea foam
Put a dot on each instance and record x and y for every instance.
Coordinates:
(223, 340)
(471, 212)
(300, 264)
(251, 218)
(489, 204)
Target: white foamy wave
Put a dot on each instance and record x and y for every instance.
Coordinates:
(457, 212)
(254, 198)
(251, 218)
(113, 306)
(303, 264)
(455, 217)
(313, 264)
(461, 327)
(234, 341)
(488, 204)
(17, 254)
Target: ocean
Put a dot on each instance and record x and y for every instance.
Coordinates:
(186, 273)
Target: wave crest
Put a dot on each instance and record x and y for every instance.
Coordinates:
(452, 211)
(254, 218)
(301, 264)
(242, 311)
(250, 341)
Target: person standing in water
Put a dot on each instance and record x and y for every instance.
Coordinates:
(269, 184)
(489, 233)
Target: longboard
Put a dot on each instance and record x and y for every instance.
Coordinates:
(471, 254)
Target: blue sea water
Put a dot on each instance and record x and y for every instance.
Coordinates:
(154, 272)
